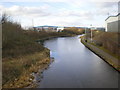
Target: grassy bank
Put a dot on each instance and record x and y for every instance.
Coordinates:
(103, 53)
(107, 40)
(21, 54)
(17, 72)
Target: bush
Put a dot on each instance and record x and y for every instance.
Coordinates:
(15, 42)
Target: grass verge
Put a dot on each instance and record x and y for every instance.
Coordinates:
(105, 58)
(17, 72)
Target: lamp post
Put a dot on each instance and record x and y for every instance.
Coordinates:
(85, 35)
(91, 32)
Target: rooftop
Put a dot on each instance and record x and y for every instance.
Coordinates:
(113, 16)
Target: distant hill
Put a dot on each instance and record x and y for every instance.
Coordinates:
(45, 26)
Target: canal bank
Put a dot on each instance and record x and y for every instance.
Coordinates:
(114, 62)
(28, 66)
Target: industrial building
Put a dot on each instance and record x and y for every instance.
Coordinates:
(113, 23)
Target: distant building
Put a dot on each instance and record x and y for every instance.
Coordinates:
(46, 28)
(112, 23)
(100, 28)
(59, 29)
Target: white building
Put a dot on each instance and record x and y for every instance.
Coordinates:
(60, 29)
(46, 28)
(112, 23)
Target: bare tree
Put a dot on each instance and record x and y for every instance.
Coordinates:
(4, 18)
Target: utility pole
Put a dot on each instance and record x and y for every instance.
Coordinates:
(32, 24)
(108, 14)
(85, 34)
(91, 33)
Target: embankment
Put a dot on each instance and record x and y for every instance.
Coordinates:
(18, 72)
(114, 62)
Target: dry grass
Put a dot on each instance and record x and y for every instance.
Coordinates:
(74, 30)
(108, 40)
(106, 58)
(16, 72)
(15, 43)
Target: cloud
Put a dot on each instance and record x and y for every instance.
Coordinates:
(59, 21)
(75, 13)
(44, 11)
(103, 8)
(37, 0)
(104, 0)
(26, 11)
(58, 0)
(106, 4)
(72, 12)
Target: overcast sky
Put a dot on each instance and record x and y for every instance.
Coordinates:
(60, 12)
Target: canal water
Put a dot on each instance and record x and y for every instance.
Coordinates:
(75, 66)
